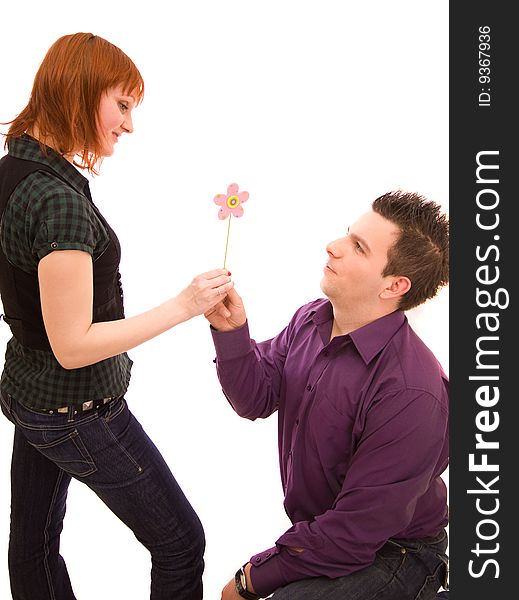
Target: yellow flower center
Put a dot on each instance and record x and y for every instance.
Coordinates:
(233, 201)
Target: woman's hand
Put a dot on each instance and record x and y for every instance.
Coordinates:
(66, 294)
(205, 291)
(228, 314)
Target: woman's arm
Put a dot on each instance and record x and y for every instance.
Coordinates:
(66, 292)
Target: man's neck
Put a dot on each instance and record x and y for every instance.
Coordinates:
(345, 321)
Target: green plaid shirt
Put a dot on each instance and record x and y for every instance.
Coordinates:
(42, 215)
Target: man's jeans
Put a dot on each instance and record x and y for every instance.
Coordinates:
(109, 451)
(403, 570)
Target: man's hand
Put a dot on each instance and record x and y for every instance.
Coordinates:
(229, 591)
(228, 314)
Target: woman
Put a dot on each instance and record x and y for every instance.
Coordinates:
(66, 368)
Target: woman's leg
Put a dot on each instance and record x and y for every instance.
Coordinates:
(135, 482)
(108, 450)
(38, 497)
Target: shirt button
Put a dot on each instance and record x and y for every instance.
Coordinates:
(257, 559)
(308, 387)
(54, 244)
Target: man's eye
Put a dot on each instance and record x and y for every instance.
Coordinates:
(123, 106)
(359, 247)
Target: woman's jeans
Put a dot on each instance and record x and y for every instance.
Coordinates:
(403, 570)
(108, 450)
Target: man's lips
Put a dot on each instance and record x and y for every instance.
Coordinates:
(328, 268)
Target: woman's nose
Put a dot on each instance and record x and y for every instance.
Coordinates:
(128, 124)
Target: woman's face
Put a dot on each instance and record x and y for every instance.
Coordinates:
(114, 118)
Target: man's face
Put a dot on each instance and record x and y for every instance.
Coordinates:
(353, 273)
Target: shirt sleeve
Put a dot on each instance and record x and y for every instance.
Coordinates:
(45, 214)
(392, 467)
(250, 374)
(65, 220)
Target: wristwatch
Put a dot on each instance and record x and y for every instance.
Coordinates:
(241, 585)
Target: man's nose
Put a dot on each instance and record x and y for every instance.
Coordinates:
(333, 248)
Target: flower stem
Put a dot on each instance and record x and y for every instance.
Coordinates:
(227, 241)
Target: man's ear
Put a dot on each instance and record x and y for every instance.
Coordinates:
(397, 286)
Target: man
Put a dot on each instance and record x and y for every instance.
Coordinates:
(362, 405)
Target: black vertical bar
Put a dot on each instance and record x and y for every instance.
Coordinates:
(484, 436)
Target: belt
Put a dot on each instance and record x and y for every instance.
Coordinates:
(78, 408)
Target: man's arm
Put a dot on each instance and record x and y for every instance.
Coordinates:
(392, 467)
(250, 374)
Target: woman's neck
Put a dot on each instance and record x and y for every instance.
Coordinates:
(34, 132)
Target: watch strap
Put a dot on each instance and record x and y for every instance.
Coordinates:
(242, 591)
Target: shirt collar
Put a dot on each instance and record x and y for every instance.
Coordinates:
(27, 148)
(369, 339)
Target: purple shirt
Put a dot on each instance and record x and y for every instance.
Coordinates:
(363, 437)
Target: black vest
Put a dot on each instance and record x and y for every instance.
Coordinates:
(20, 290)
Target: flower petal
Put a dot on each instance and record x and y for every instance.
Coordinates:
(238, 211)
(243, 196)
(220, 199)
(223, 213)
(232, 190)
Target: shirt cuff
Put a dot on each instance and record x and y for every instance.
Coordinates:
(266, 574)
(232, 344)
(49, 247)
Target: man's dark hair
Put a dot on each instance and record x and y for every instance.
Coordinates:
(421, 252)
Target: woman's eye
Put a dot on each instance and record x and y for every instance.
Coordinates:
(123, 106)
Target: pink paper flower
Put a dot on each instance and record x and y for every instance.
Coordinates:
(231, 203)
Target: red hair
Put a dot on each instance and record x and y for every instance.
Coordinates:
(76, 71)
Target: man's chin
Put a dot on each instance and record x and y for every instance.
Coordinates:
(325, 287)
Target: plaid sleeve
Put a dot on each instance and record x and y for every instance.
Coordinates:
(63, 219)
(45, 214)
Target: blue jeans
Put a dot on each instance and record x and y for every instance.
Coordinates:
(403, 570)
(108, 450)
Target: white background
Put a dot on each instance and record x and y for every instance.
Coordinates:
(315, 108)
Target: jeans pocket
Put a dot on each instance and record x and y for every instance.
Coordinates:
(391, 557)
(6, 401)
(433, 582)
(120, 428)
(445, 581)
(69, 453)
(115, 408)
